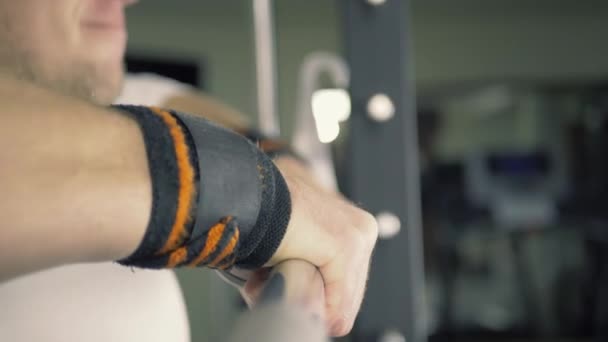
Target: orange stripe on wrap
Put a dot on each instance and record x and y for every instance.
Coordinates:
(228, 263)
(214, 236)
(186, 182)
(227, 250)
(177, 257)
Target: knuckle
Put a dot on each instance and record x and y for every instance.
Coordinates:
(364, 234)
(343, 328)
(368, 226)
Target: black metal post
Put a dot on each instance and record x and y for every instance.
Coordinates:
(382, 171)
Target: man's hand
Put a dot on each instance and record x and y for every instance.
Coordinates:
(325, 229)
(333, 234)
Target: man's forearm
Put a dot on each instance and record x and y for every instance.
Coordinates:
(74, 179)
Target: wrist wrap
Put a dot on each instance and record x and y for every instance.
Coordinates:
(218, 201)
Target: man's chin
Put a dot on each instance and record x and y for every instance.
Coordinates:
(107, 93)
(102, 86)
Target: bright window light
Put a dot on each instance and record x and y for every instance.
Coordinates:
(327, 129)
(331, 103)
(329, 108)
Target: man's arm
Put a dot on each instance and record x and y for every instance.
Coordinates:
(74, 181)
(76, 187)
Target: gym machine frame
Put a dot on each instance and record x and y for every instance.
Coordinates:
(382, 171)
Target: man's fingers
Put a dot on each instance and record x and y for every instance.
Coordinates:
(352, 292)
(347, 289)
(328, 231)
(343, 300)
(303, 286)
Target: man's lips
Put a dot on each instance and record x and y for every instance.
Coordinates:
(105, 25)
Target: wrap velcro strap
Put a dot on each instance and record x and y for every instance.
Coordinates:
(254, 191)
(230, 179)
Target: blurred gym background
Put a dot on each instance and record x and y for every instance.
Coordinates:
(512, 108)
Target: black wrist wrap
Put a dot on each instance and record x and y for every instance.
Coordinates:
(217, 199)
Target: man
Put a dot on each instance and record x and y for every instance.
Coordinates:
(75, 177)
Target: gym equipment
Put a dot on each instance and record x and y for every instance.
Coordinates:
(290, 308)
(383, 145)
(383, 119)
